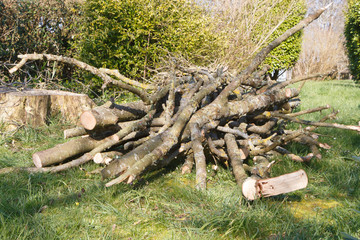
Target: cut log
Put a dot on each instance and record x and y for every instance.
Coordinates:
(66, 150)
(254, 188)
(103, 116)
(74, 132)
(34, 107)
(106, 157)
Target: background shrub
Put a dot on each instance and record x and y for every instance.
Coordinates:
(352, 34)
(134, 35)
(248, 25)
(40, 26)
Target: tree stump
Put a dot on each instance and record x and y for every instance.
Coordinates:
(34, 107)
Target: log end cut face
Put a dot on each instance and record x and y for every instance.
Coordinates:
(88, 120)
(249, 189)
(37, 160)
(253, 188)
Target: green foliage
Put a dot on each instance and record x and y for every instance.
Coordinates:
(352, 34)
(30, 26)
(286, 55)
(134, 35)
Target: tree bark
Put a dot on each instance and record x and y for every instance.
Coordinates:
(66, 150)
(104, 116)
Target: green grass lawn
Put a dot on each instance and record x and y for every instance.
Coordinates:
(165, 205)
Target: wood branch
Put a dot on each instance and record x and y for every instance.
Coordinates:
(279, 142)
(169, 107)
(244, 77)
(299, 79)
(318, 109)
(106, 157)
(120, 165)
(292, 156)
(74, 132)
(262, 167)
(103, 116)
(133, 144)
(312, 143)
(317, 124)
(235, 159)
(189, 163)
(61, 152)
(264, 128)
(106, 78)
(199, 156)
(218, 152)
(233, 131)
(129, 81)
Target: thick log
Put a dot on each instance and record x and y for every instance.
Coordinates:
(119, 165)
(254, 188)
(61, 152)
(102, 116)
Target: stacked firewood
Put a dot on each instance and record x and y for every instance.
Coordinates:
(195, 114)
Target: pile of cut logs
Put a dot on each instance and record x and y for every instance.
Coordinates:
(195, 114)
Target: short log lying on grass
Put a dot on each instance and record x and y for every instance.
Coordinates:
(254, 188)
(195, 112)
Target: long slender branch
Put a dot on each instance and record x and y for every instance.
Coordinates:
(299, 79)
(106, 78)
(117, 74)
(260, 57)
(317, 124)
(308, 111)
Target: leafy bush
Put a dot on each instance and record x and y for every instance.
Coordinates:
(248, 25)
(29, 26)
(352, 34)
(134, 35)
(286, 55)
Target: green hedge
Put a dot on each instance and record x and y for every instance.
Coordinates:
(352, 35)
(129, 35)
(134, 35)
(29, 26)
(286, 55)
